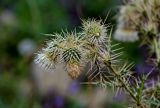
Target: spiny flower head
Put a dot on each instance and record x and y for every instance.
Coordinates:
(67, 45)
(72, 47)
(47, 58)
(94, 31)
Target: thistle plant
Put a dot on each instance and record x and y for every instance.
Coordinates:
(93, 45)
(138, 20)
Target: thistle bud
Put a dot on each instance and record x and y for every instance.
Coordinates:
(94, 31)
(73, 70)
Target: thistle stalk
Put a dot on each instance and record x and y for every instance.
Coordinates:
(123, 83)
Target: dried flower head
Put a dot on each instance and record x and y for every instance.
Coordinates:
(73, 70)
(66, 46)
(46, 59)
(126, 35)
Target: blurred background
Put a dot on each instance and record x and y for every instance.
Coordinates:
(24, 84)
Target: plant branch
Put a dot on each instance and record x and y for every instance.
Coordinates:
(122, 82)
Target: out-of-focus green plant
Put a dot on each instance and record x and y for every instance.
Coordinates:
(9, 93)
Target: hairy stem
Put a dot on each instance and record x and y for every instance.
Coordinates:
(123, 83)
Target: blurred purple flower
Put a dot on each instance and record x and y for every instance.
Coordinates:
(144, 52)
(58, 101)
(144, 68)
(74, 87)
(53, 101)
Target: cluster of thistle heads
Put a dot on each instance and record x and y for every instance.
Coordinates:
(92, 47)
(137, 20)
(74, 49)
